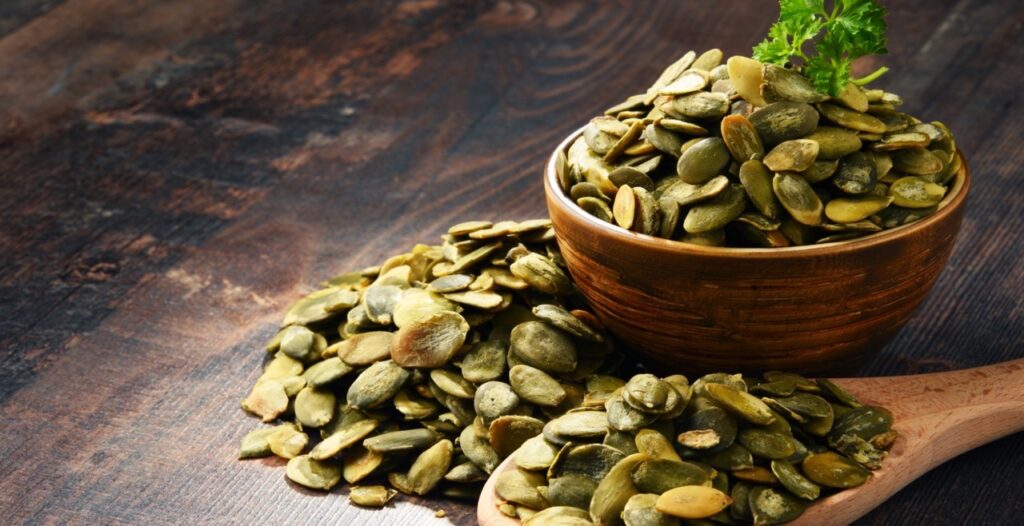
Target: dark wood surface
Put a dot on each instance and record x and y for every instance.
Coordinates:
(174, 173)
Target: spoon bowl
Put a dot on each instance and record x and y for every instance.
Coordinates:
(938, 416)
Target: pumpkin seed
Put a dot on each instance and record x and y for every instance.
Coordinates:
(747, 75)
(268, 400)
(631, 176)
(520, 486)
(690, 81)
(287, 441)
(571, 490)
(834, 142)
(853, 209)
(536, 386)
(431, 342)
(624, 209)
(716, 212)
(596, 208)
(640, 511)
(767, 444)
(796, 156)
(692, 502)
(851, 119)
(494, 399)
(915, 192)
(430, 467)
(255, 444)
(671, 73)
(536, 454)
(771, 506)
(661, 475)
(398, 441)
(371, 496)
(377, 384)
(781, 84)
(784, 121)
(741, 138)
(615, 490)
(542, 274)
(314, 407)
(313, 474)
(703, 161)
(509, 432)
(834, 471)
(820, 171)
(478, 449)
(559, 516)
(798, 198)
(544, 347)
(700, 105)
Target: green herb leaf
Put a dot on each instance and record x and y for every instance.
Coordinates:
(852, 29)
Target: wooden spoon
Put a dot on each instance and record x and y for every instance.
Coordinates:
(939, 416)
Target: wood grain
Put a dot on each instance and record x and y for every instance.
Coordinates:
(173, 173)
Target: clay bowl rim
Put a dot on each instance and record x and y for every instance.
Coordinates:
(953, 200)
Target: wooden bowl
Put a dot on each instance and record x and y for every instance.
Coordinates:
(818, 309)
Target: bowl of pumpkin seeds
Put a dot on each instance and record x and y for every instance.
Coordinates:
(733, 213)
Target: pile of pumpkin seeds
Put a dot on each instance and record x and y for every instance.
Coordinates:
(751, 155)
(727, 449)
(419, 376)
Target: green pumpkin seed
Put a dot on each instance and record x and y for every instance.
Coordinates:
(297, 342)
(398, 441)
(542, 274)
(477, 448)
(767, 444)
(781, 84)
(509, 432)
(647, 215)
(494, 399)
(690, 81)
(453, 384)
(430, 467)
(623, 417)
(536, 386)
(287, 441)
(520, 487)
(596, 208)
(860, 451)
(615, 490)
(660, 475)
(784, 121)
(655, 445)
(536, 454)
(631, 176)
(820, 171)
(581, 190)
(431, 342)
(326, 372)
(313, 474)
(865, 422)
(798, 198)
(543, 347)
(268, 400)
(851, 119)
(716, 212)
(834, 471)
(741, 138)
(796, 156)
(837, 392)
(853, 209)
(741, 403)
(700, 105)
(255, 444)
(917, 161)
(582, 424)
(371, 496)
(314, 407)
(321, 305)
(835, 143)
(640, 511)
(735, 457)
(571, 490)
(856, 174)
(915, 192)
(771, 506)
(682, 126)
(703, 161)
(757, 182)
(376, 385)
(692, 502)
(685, 194)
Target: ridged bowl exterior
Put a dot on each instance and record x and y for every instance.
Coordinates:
(820, 309)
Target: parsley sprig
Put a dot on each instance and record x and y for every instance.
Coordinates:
(853, 29)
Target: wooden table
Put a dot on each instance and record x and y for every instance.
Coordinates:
(174, 173)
